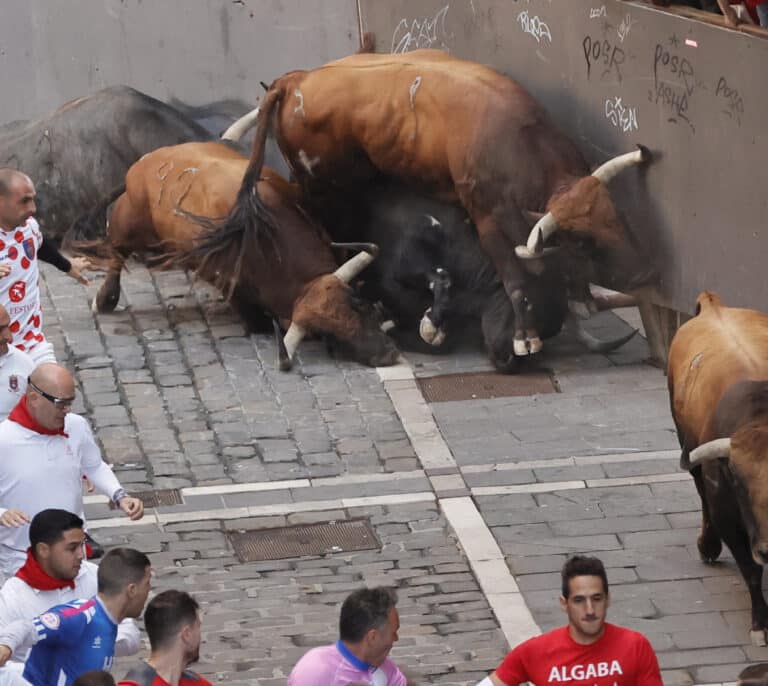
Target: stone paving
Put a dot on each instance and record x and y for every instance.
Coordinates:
(179, 397)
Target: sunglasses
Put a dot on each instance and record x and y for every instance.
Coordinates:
(58, 402)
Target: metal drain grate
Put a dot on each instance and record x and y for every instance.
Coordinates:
(303, 539)
(161, 498)
(480, 385)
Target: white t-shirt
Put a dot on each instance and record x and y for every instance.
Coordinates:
(38, 471)
(20, 290)
(18, 600)
(15, 367)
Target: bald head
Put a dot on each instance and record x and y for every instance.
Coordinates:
(50, 394)
(17, 198)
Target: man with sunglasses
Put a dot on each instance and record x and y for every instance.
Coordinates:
(46, 450)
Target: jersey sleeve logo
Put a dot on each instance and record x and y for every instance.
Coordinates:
(13, 383)
(50, 620)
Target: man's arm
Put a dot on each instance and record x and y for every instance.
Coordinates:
(128, 638)
(12, 636)
(49, 253)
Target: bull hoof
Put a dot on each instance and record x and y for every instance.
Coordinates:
(429, 332)
(710, 548)
(520, 347)
(757, 637)
(105, 303)
(535, 345)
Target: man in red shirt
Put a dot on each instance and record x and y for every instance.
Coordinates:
(172, 621)
(587, 652)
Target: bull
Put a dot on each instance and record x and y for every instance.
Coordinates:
(718, 388)
(465, 133)
(433, 277)
(172, 199)
(80, 152)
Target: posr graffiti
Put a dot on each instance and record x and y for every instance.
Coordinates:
(733, 105)
(621, 116)
(414, 34)
(674, 82)
(534, 26)
(601, 52)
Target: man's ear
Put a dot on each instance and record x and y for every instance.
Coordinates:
(563, 603)
(185, 633)
(42, 551)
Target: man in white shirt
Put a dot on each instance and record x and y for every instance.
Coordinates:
(20, 246)
(55, 573)
(15, 367)
(46, 450)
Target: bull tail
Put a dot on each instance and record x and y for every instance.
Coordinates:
(92, 224)
(218, 256)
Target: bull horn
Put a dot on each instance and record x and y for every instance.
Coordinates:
(544, 228)
(611, 300)
(368, 247)
(594, 344)
(606, 171)
(293, 337)
(711, 450)
(284, 362)
(353, 266)
(238, 129)
(532, 217)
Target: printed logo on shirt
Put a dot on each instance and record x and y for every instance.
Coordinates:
(29, 248)
(50, 620)
(96, 642)
(579, 672)
(13, 383)
(17, 291)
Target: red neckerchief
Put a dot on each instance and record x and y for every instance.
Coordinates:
(20, 415)
(34, 575)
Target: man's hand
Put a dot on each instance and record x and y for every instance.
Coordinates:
(14, 518)
(5, 654)
(133, 507)
(5, 269)
(78, 266)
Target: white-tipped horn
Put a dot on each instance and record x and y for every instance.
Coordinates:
(606, 171)
(541, 231)
(238, 129)
(711, 450)
(293, 337)
(353, 266)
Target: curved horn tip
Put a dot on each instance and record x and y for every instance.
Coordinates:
(645, 153)
(714, 449)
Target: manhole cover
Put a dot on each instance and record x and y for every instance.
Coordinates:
(303, 539)
(436, 389)
(168, 496)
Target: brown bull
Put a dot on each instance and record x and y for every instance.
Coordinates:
(172, 194)
(464, 132)
(718, 387)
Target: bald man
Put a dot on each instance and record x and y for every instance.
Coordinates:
(15, 367)
(21, 244)
(45, 450)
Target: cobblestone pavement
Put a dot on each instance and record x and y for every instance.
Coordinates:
(180, 398)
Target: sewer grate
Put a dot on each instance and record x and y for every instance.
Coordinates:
(481, 385)
(299, 540)
(160, 498)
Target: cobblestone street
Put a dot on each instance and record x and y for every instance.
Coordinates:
(476, 503)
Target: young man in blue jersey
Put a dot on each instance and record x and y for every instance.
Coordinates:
(80, 636)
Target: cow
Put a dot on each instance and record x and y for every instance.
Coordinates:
(466, 133)
(718, 389)
(80, 152)
(172, 199)
(433, 277)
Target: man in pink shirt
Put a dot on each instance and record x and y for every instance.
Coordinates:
(367, 631)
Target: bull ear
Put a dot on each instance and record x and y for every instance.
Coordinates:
(712, 450)
(606, 171)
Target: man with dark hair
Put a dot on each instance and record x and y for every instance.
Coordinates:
(55, 573)
(21, 244)
(172, 620)
(368, 628)
(586, 652)
(96, 677)
(80, 636)
(46, 450)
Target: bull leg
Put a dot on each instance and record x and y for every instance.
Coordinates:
(709, 544)
(431, 328)
(109, 294)
(502, 253)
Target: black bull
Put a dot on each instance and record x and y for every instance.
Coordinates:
(79, 154)
(433, 276)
